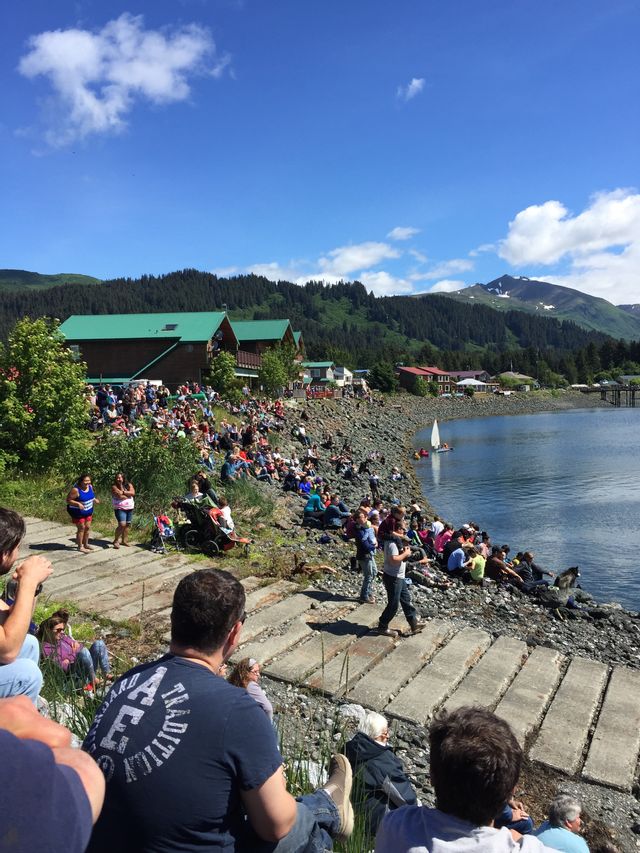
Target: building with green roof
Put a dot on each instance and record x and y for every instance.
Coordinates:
(172, 346)
(259, 335)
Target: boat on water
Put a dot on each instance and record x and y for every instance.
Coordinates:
(435, 440)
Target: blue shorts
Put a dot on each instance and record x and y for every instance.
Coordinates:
(123, 516)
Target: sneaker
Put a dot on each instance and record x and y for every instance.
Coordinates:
(338, 787)
(387, 632)
(370, 600)
(417, 625)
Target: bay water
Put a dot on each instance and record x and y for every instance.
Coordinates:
(564, 485)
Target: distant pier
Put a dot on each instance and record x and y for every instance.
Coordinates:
(621, 395)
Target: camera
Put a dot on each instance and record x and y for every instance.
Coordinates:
(11, 590)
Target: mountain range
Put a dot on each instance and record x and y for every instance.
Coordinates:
(509, 293)
(12, 280)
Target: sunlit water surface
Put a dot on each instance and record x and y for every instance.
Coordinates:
(563, 485)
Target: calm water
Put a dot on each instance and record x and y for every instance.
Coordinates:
(563, 485)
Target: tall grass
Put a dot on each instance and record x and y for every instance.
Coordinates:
(304, 756)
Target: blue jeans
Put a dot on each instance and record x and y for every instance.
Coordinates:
(317, 821)
(23, 676)
(397, 595)
(89, 660)
(369, 571)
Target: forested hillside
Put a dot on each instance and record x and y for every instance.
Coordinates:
(345, 322)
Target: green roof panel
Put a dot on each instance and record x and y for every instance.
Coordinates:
(260, 330)
(184, 325)
(319, 364)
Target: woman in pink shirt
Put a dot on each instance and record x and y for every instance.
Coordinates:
(443, 538)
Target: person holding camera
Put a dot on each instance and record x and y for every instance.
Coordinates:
(397, 551)
(19, 650)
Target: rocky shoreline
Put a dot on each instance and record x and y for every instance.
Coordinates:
(389, 425)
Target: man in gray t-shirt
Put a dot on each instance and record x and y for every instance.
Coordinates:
(396, 552)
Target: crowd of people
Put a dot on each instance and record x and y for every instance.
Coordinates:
(180, 758)
(183, 755)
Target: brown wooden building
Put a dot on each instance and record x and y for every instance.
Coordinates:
(171, 347)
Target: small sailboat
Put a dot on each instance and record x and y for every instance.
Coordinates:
(435, 440)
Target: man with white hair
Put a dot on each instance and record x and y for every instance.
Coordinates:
(561, 830)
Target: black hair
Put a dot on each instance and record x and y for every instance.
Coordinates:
(206, 605)
(12, 530)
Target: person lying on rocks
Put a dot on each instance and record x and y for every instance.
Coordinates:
(381, 783)
(475, 763)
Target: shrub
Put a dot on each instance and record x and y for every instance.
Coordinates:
(43, 407)
(420, 387)
(159, 469)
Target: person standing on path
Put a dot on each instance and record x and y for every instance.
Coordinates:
(396, 552)
(366, 545)
(80, 501)
(122, 500)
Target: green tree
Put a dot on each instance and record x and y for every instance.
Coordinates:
(382, 377)
(273, 373)
(43, 405)
(222, 374)
(420, 387)
(433, 388)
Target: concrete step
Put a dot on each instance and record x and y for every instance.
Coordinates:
(296, 665)
(491, 676)
(346, 668)
(615, 745)
(269, 594)
(147, 596)
(281, 612)
(268, 646)
(432, 685)
(563, 736)
(378, 686)
(110, 573)
(91, 592)
(164, 613)
(525, 702)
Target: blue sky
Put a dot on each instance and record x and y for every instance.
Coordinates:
(415, 146)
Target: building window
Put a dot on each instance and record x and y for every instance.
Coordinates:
(75, 351)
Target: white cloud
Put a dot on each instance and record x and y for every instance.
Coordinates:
(225, 272)
(413, 88)
(447, 286)
(349, 259)
(601, 244)
(485, 247)
(401, 232)
(274, 271)
(96, 77)
(383, 283)
(446, 268)
(419, 256)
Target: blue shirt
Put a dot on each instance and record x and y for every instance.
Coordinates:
(456, 560)
(559, 838)
(177, 745)
(44, 805)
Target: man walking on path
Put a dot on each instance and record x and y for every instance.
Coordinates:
(19, 650)
(191, 761)
(396, 552)
(365, 554)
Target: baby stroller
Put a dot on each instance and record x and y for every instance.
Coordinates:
(202, 532)
(164, 536)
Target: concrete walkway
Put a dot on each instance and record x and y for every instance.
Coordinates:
(575, 715)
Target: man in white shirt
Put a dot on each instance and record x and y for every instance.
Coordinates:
(396, 552)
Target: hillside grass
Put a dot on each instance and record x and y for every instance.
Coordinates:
(25, 280)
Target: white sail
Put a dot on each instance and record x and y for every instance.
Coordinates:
(435, 435)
